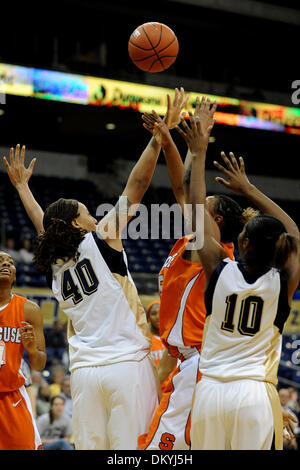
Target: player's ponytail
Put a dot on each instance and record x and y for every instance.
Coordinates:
(285, 246)
(270, 244)
(248, 214)
(60, 240)
(234, 217)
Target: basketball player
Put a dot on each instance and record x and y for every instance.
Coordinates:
(21, 327)
(247, 304)
(152, 312)
(108, 334)
(181, 281)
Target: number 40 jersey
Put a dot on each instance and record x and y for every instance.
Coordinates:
(244, 322)
(107, 321)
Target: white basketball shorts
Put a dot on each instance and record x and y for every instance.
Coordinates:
(112, 404)
(236, 415)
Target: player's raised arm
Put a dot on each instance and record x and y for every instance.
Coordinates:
(111, 226)
(19, 177)
(204, 111)
(160, 130)
(238, 182)
(197, 138)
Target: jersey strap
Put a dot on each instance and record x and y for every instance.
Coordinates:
(113, 258)
(283, 309)
(209, 292)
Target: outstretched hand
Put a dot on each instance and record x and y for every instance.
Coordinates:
(196, 134)
(235, 173)
(174, 109)
(158, 128)
(205, 110)
(18, 174)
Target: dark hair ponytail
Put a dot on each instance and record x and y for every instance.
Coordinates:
(270, 244)
(234, 217)
(60, 240)
(285, 246)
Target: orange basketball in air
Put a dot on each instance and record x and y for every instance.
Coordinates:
(153, 47)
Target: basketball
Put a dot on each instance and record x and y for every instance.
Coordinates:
(153, 47)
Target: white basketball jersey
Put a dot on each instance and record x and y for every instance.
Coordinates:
(244, 322)
(107, 320)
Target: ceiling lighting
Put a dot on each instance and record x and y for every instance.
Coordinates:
(110, 126)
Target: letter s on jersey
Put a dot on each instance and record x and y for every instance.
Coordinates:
(167, 441)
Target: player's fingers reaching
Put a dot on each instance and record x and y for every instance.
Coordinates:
(213, 107)
(148, 120)
(221, 168)
(31, 165)
(207, 104)
(227, 161)
(168, 101)
(242, 164)
(221, 180)
(210, 128)
(12, 156)
(185, 100)
(23, 155)
(156, 116)
(149, 117)
(17, 155)
(233, 161)
(149, 128)
(197, 105)
(181, 131)
(185, 126)
(175, 101)
(7, 165)
(194, 120)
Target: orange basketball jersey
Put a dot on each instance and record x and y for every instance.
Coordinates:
(11, 346)
(182, 307)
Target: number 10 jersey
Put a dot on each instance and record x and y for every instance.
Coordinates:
(244, 323)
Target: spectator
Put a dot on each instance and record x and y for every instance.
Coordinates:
(56, 341)
(293, 402)
(25, 253)
(66, 394)
(284, 396)
(152, 313)
(58, 374)
(55, 427)
(10, 248)
(37, 380)
(43, 399)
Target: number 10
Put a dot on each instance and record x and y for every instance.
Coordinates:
(252, 304)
